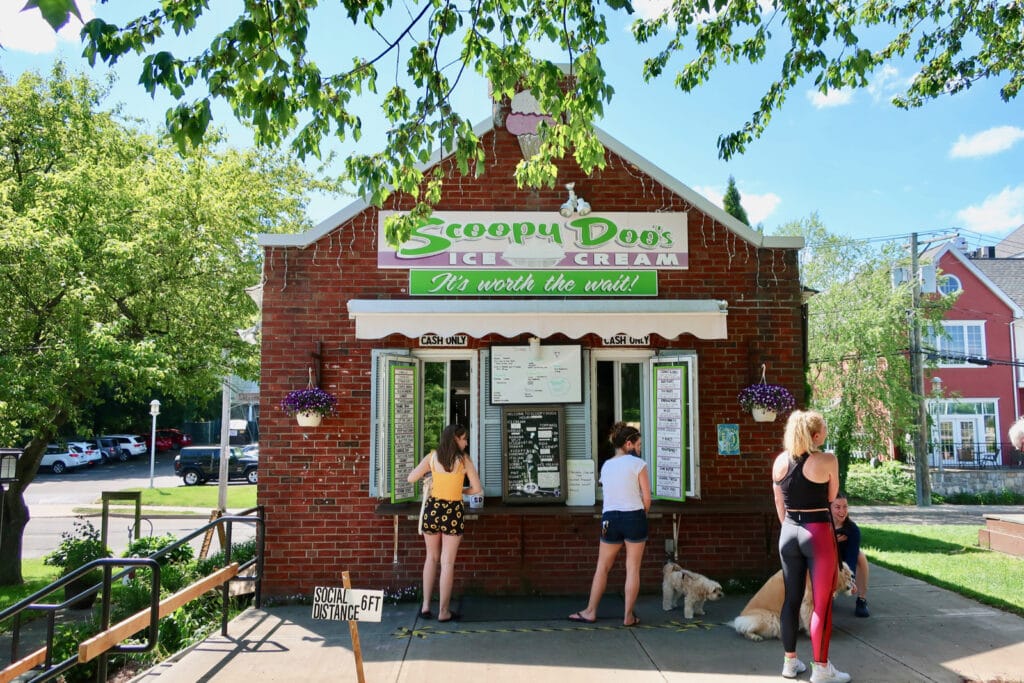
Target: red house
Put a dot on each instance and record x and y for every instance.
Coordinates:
(975, 389)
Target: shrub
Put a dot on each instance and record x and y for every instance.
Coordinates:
(889, 483)
(240, 553)
(148, 545)
(77, 548)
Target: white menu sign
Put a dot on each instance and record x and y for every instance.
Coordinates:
(670, 435)
(403, 432)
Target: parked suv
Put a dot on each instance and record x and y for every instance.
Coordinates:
(199, 464)
(129, 444)
(59, 459)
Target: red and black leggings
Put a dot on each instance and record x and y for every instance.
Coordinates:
(808, 546)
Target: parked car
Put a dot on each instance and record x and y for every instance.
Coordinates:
(200, 464)
(85, 450)
(59, 459)
(252, 449)
(129, 445)
(108, 449)
(163, 443)
(179, 439)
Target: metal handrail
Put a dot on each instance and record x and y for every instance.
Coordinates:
(131, 563)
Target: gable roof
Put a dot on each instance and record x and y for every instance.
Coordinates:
(1011, 246)
(737, 227)
(972, 267)
(1005, 273)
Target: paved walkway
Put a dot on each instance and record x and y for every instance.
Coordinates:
(917, 632)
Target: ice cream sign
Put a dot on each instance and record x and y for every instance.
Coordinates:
(540, 241)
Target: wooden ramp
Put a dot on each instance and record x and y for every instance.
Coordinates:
(1004, 533)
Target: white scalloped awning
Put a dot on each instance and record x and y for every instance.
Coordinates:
(669, 318)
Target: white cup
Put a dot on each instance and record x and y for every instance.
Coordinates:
(476, 501)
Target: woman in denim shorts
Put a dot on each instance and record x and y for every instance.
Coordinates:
(627, 498)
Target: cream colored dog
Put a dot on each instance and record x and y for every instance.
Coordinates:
(696, 589)
(760, 618)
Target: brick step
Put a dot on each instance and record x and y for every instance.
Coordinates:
(1004, 543)
(1003, 526)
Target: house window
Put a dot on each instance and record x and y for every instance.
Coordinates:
(949, 284)
(960, 340)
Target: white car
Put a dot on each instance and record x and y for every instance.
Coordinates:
(59, 459)
(89, 453)
(128, 443)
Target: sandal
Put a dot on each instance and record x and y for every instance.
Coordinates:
(580, 619)
(427, 614)
(635, 622)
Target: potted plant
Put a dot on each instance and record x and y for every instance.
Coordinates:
(309, 405)
(77, 548)
(766, 401)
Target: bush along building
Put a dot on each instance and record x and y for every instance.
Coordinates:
(537, 319)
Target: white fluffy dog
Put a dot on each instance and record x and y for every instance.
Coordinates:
(760, 618)
(696, 589)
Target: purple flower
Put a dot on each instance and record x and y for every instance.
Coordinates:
(770, 396)
(314, 400)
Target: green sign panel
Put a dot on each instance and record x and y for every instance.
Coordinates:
(602, 283)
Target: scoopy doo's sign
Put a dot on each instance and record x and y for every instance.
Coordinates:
(504, 240)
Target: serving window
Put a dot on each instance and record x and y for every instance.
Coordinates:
(415, 394)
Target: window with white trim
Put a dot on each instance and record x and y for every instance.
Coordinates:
(960, 341)
(949, 284)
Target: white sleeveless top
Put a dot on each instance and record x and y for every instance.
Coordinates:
(619, 480)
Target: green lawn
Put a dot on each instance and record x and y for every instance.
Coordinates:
(948, 556)
(36, 575)
(240, 496)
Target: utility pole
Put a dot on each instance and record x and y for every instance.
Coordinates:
(922, 478)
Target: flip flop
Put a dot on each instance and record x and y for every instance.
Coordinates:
(636, 621)
(580, 619)
(426, 615)
(452, 616)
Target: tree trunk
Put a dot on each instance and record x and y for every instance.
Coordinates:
(14, 516)
(12, 526)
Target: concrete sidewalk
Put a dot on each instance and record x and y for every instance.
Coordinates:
(916, 633)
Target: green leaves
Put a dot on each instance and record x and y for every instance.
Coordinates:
(57, 13)
(259, 64)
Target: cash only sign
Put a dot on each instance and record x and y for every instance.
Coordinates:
(351, 605)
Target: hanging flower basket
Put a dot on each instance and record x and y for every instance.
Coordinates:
(308, 418)
(309, 405)
(768, 399)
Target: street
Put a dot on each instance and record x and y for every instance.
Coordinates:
(52, 501)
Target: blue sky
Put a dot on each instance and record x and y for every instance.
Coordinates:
(868, 169)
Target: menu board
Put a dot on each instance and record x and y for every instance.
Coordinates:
(533, 455)
(547, 373)
(670, 431)
(402, 436)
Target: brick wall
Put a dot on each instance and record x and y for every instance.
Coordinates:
(314, 482)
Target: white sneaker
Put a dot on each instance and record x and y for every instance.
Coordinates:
(827, 674)
(792, 667)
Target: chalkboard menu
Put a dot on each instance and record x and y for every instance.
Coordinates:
(533, 455)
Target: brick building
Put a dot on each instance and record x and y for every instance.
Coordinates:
(537, 331)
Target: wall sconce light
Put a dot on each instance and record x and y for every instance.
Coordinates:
(937, 385)
(535, 351)
(574, 204)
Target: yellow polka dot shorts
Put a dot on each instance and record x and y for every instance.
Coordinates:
(443, 517)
